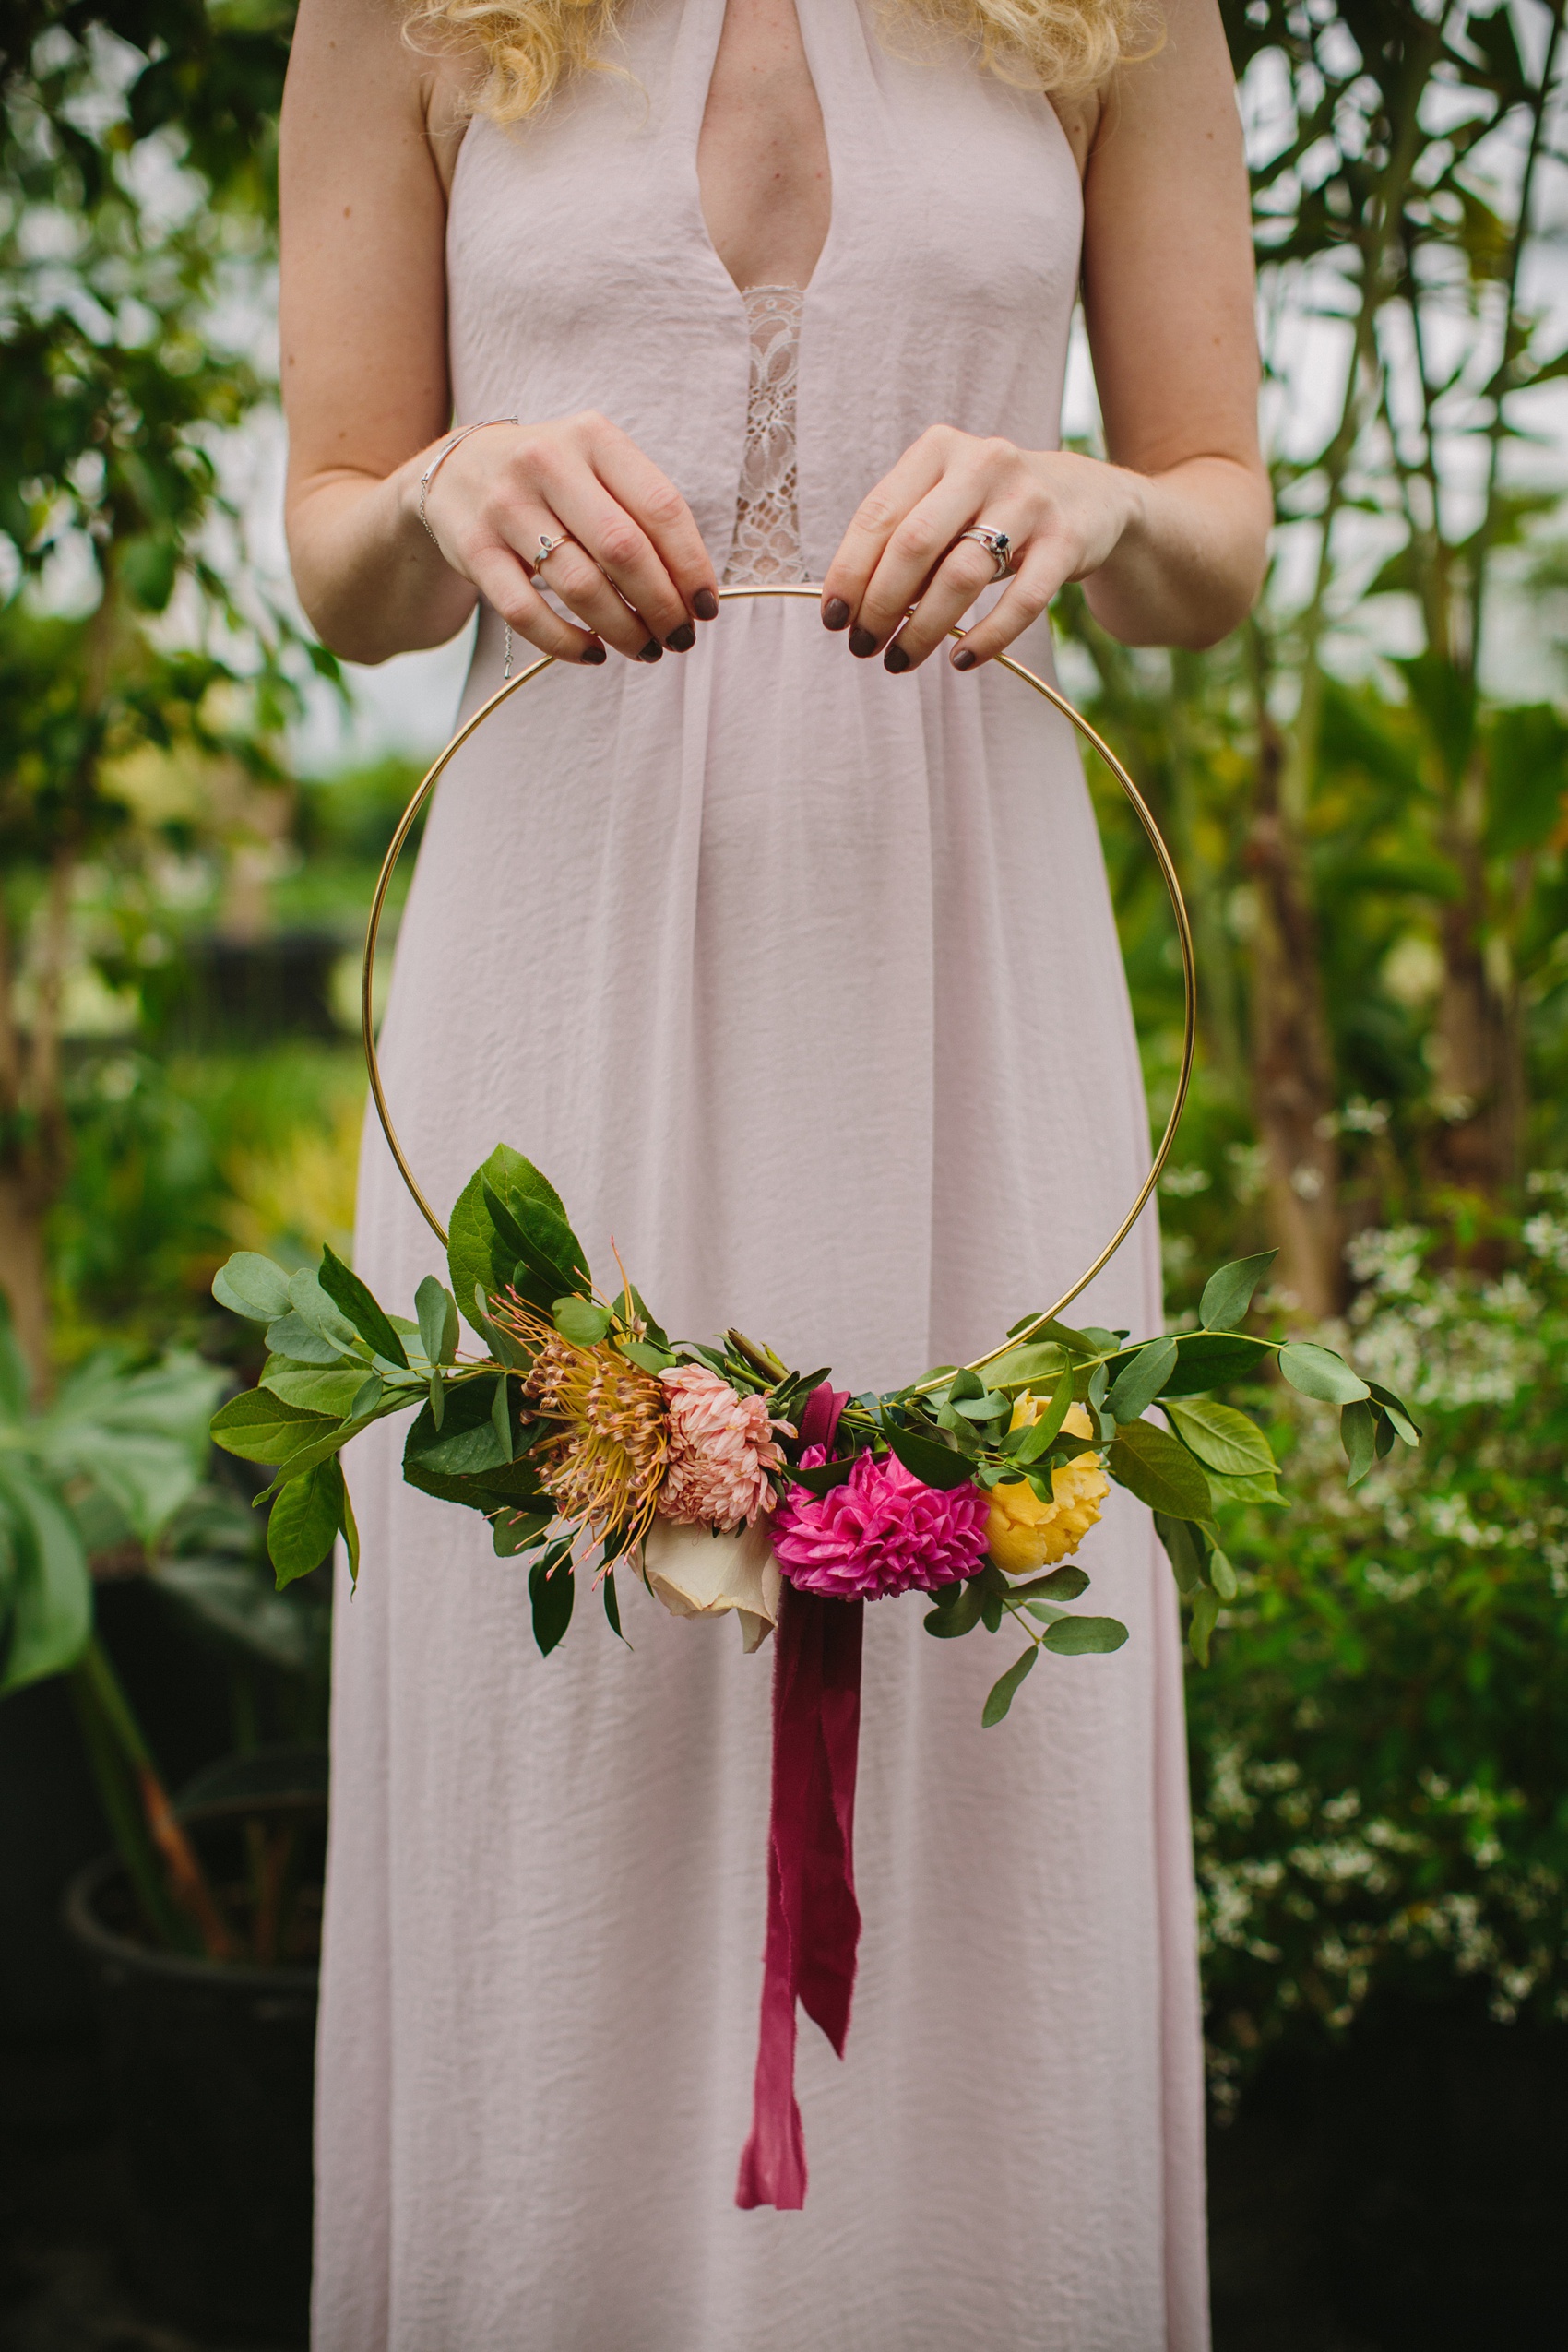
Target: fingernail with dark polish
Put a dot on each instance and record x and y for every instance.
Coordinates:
(652, 651)
(862, 645)
(592, 654)
(704, 604)
(836, 613)
(965, 659)
(682, 640)
(895, 660)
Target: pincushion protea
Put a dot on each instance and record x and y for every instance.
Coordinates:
(602, 1466)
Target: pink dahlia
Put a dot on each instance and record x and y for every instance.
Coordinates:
(721, 1449)
(883, 1531)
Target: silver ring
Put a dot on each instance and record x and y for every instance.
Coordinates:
(997, 545)
(547, 546)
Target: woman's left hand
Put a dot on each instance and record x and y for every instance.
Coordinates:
(1063, 514)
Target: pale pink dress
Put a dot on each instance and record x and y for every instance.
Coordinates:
(801, 981)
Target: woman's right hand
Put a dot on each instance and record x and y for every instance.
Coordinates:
(633, 570)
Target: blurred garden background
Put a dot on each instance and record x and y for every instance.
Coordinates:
(1367, 793)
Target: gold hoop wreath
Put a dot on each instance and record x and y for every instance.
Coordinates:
(999, 661)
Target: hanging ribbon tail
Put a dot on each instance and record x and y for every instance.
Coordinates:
(814, 1920)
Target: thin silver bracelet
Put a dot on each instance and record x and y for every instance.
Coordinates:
(429, 476)
(440, 460)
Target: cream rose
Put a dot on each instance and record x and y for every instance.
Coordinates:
(1023, 1533)
(696, 1573)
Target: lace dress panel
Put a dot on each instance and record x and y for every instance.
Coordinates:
(766, 545)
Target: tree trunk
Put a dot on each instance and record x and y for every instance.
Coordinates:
(34, 1133)
(1293, 1064)
(23, 1275)
(1478, 1090)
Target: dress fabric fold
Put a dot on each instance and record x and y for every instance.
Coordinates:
(801, 982)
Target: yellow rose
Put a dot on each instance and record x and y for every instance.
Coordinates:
(1023, 1533)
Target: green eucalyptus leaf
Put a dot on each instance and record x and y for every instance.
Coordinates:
(437, 1312)
(952, 1619)
(292, 1337)
(990, 1405)
(332, 1440)
(1221, 1437)
(1205, 1613)
(1039, 1365)
(331, 1393)
(311, 1303)
(1207, 1360)
(1228, 1292)
(302, 1524)
(510, 1486)
(1000, 1697)
(1398, 1413)
(348, 1526)
(552, 1591)
(1145, 1373)
(1319, 1373)
(1036, 1441)
(1221, 1574)
(934, 1464)
(1358, 1432)
(468, 1444)
(580, 1321)
(263, 1427)
(1152, 1465)
(824, 1476)
(517, 1532)
(367, 1398)
(501, 1418)
(1185, 1548)
(437, 1396)
(250, 1285)
(346, 1290)
(549, 1260)
(1062, 1334)
(475, 1253)
(647, 1357)
(1083, 1636)
(631, 1306)
(1247, 1490)
(1060, 1583)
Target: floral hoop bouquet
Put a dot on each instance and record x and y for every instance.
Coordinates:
(587, 1438)
(728, 1482)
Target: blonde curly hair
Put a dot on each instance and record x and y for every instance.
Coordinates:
(532, 46)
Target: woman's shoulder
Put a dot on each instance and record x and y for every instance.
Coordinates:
(367, 66)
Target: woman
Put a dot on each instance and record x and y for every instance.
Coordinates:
(782, 944)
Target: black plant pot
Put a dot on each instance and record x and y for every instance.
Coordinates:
(210, 2069)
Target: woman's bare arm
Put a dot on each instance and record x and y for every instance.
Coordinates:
(1169, 299)
(369, 137)
(363, 330)
(1170, 537)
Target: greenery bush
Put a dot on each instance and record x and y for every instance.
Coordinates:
(1380, 1748)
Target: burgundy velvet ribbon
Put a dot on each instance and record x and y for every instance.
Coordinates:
(814, 1920)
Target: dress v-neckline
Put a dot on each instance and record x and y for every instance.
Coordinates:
(828, 59)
